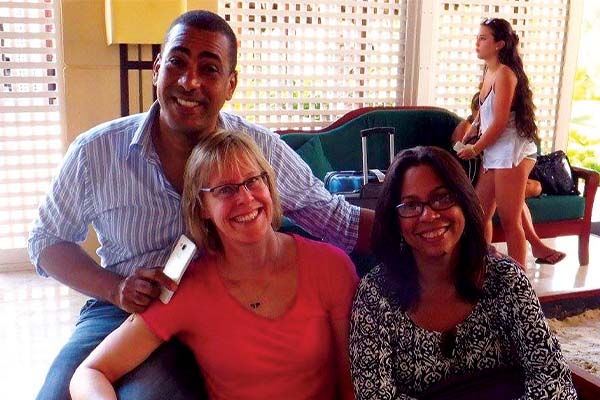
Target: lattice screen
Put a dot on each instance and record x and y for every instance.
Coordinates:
(541, 26)
(303, 64)
(30, 130)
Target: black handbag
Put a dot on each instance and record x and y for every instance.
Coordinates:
(554, 173)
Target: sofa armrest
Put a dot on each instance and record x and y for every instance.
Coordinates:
(590, 186)
(589, 176)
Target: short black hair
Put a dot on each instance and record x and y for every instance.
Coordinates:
(402, 285)
(211, 22)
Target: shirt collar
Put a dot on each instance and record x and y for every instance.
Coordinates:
(142, 137)
(221, 121)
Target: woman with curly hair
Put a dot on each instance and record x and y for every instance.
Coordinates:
(509, 135)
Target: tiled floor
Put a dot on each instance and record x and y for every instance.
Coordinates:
(37, 314)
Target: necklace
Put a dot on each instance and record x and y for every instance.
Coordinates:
(256, 300)
(255, 304)
(250, 298)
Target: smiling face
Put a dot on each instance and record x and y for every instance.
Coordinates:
(487, 47)
(246, 216)
(434, 235)
(193, 78)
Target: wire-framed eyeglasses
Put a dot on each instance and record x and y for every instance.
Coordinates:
(438, 202)
(252, 184)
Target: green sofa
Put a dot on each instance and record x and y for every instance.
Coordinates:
(338, 147)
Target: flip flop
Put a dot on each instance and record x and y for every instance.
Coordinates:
(552, 258)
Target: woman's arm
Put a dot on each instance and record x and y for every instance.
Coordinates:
(504, 88)
(123, 350)
(340, 330)
(338, 277)
(473, 130)
(461, 131)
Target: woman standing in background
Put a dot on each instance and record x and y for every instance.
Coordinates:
(508, 133)
(467, 131)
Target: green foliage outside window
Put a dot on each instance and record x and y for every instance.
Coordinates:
(584, 134)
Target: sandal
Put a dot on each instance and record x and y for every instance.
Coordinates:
(552, 258)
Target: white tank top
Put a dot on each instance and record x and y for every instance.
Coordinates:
(509, 149)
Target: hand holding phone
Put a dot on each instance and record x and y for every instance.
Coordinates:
(178, 261)
(458, 146)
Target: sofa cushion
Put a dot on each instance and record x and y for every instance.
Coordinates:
(548, 208)
(312, 153)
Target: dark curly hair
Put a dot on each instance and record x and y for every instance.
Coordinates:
(509, 56)
(398, 263)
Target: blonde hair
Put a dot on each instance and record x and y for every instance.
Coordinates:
(220, 152)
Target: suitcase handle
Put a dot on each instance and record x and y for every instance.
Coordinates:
(390, 130)
(364, 134)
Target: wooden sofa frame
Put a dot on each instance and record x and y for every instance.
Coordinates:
(580, 227)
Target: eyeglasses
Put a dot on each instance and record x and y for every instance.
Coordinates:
(489, 21)
(252, 184)
(438, 202)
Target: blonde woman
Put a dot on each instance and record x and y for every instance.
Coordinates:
(265, 314)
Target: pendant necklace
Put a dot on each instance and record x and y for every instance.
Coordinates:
(255, 304)
(256, 301)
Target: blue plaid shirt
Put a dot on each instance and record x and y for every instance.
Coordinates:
(111, 177)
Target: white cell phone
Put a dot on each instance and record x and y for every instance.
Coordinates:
(178, 261)
(458, 146)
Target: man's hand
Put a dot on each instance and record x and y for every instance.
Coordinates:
(134, 293)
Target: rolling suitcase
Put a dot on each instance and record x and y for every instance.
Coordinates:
(361, 188)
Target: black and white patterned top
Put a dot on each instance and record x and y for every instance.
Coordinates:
(392, 358)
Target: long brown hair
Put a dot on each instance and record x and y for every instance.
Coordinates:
(402, 285)
(509, 56)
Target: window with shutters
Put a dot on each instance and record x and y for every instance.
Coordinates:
(541, 26)
(31, 141)
(303, 64)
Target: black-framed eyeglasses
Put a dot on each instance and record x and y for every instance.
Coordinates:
(252, 184)
(438, 202)
(488, 21)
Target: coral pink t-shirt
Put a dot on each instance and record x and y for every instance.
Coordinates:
(244, 355)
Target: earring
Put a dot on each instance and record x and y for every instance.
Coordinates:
(401, 245)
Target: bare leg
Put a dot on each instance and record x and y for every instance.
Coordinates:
(485, 190)
(533, 188)
(538, 248)
(510, 196)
